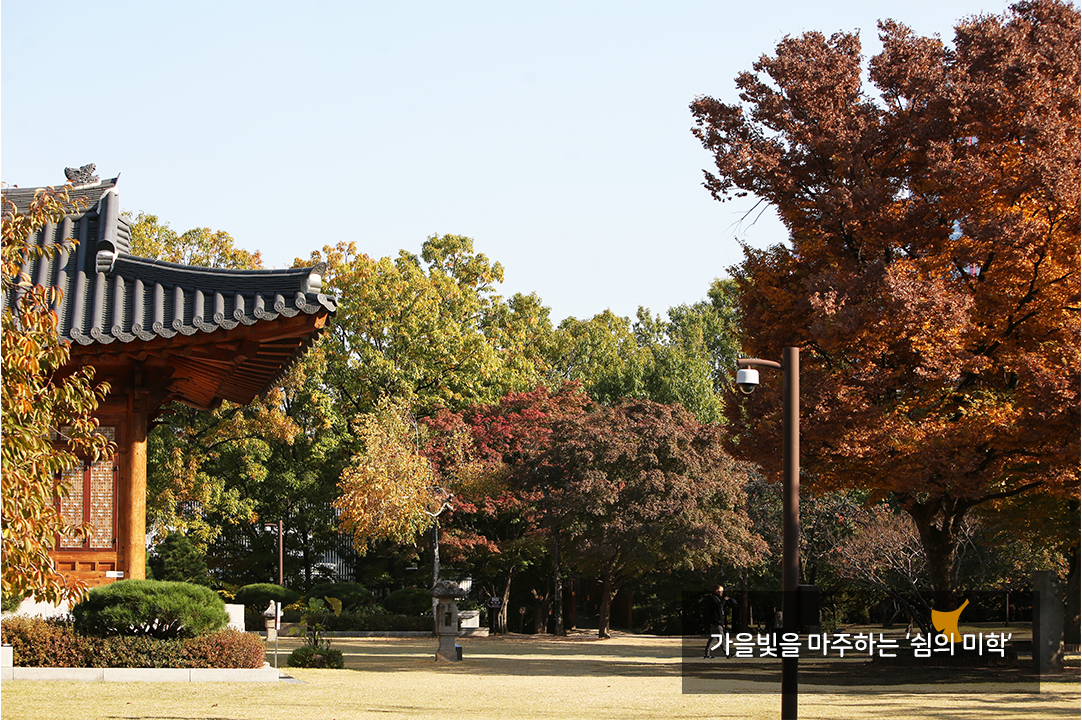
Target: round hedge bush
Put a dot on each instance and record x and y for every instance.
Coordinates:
(259, 595)
(155, 608)
(409, 601)
(351, 594)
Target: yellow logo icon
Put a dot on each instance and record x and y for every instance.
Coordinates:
(947, 622)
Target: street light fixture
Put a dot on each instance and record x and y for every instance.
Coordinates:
(747, 380)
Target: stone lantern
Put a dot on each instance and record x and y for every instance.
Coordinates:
(446, 592)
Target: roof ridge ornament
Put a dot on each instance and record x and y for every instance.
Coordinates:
(81, 176)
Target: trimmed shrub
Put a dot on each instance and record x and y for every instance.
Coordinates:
(156, 608)
(54, 643)
(351, 594)
(259, 595)
(370, 618)
(317, 657)
(37, 642)
(408, 601)
(227, 648)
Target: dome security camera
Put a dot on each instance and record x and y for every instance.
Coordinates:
(747, 380)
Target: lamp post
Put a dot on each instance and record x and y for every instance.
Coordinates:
(747, 380)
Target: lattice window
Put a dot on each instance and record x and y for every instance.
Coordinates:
(102, 505)
(71, 506)
(91, 501)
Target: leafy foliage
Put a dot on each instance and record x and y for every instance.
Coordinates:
(430, 330)
(155, 608)
(643, 485)
(37, 642)
(932, 281)
(389, 490)
(372, 618)
(317, 656)
(408, 601)
(685, 359)
(152, 238)
(350, 594)
(40, 402)
(176, 559)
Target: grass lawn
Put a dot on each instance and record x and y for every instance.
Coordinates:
(512, 677)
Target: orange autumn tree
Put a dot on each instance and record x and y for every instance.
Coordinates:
(39, 404)
(932, 274)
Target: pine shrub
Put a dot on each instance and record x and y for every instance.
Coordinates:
(259, 595)
(177, 558)
(156, 608)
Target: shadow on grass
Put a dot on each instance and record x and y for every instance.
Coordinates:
(544, 656)
(861, 676)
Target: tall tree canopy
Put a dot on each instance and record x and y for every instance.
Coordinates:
(430, 328)
(640, 486)
(47, 415)
(390, 490)
(684, 359)
(932, 275)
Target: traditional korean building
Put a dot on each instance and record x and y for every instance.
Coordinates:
(157, 332)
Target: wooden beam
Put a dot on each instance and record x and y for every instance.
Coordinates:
(135, 542)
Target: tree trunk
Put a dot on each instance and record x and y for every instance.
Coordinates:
(306, 557)
(501, 614)
(745, 606)
(609, 588)
(435, 553)
(542, 608)
(938, 530)
(557, 587)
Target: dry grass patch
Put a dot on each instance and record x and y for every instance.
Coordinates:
(519, 677)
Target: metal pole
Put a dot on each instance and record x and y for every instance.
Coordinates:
(281, 581)
(281, 574)
(790, 360)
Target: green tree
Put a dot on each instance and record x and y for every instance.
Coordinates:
(430, 329)
(932, 280)
(176, 559)
(41, 402)
(686, 358)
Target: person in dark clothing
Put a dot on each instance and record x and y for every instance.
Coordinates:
(714, 610)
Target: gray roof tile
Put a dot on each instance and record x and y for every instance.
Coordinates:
(111, 296)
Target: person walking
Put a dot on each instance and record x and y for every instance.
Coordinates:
(714, 610)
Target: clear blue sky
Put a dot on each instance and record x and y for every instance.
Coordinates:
(556, 134)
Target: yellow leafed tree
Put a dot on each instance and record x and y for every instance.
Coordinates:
(389, 490)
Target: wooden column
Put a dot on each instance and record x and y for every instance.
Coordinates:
(136, 508)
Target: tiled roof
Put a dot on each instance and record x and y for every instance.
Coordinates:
(112, 298)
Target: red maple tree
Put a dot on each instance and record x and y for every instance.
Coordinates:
(932, 275)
